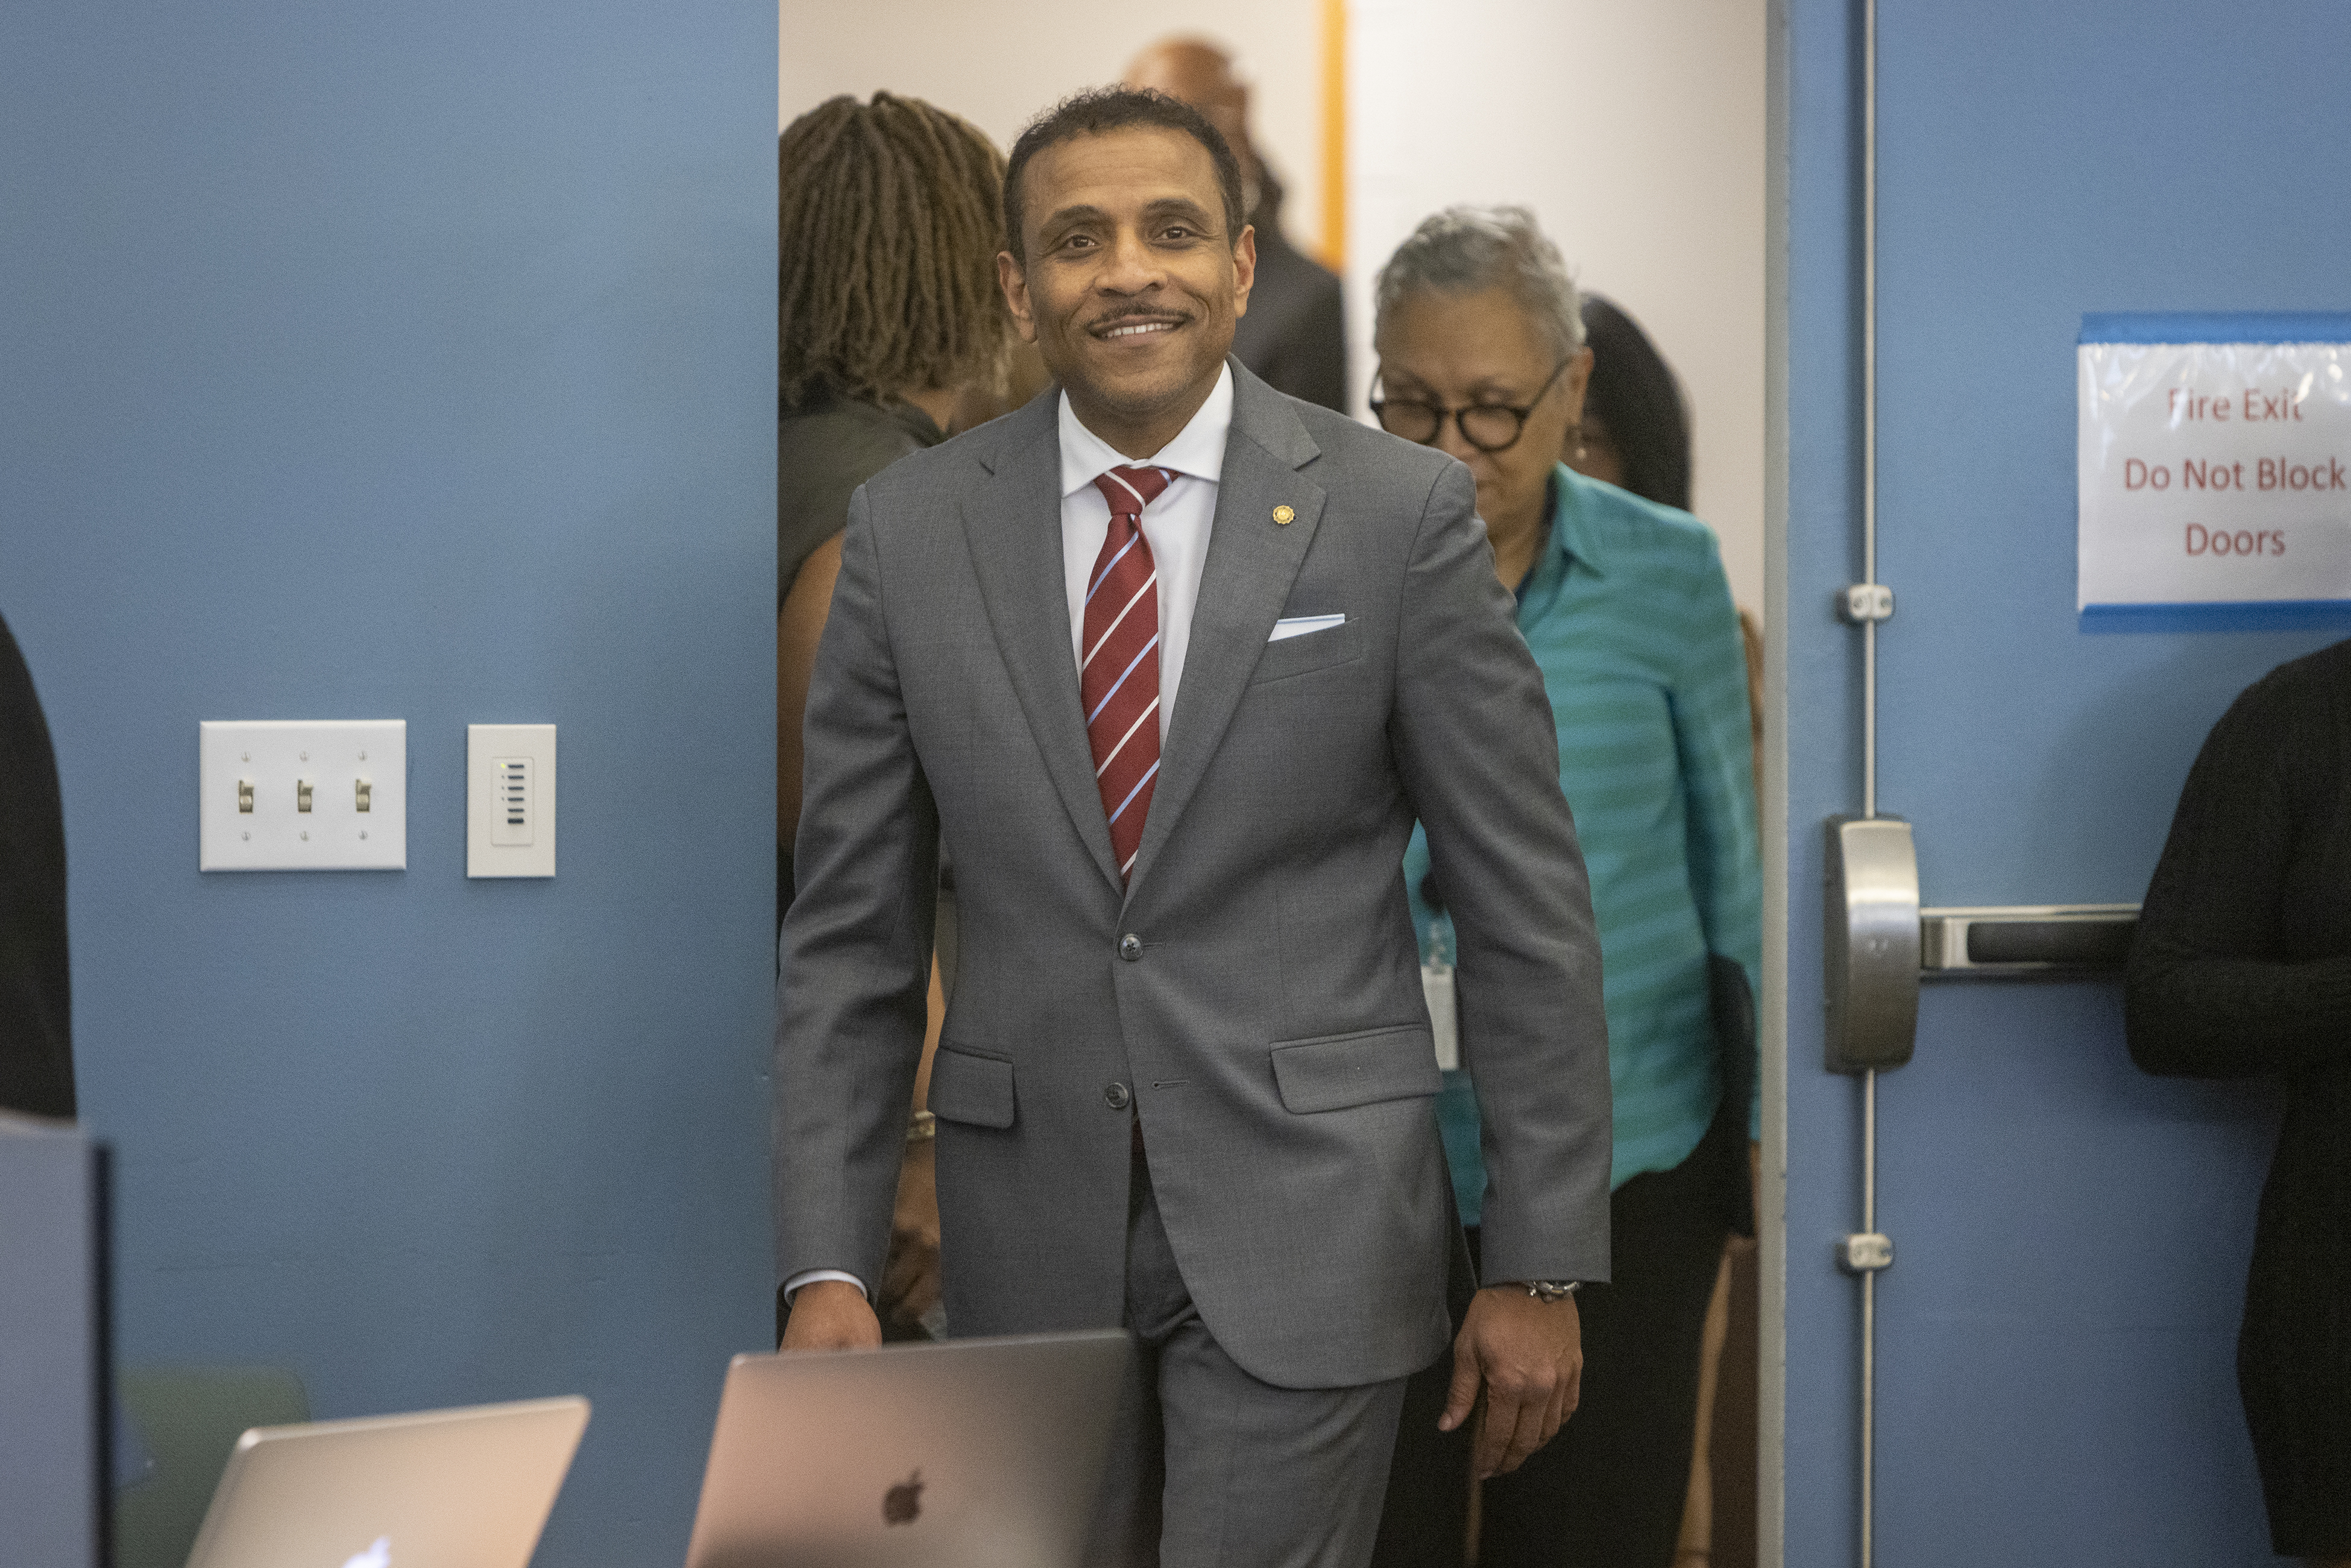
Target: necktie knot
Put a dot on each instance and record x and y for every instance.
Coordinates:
(1129, 490)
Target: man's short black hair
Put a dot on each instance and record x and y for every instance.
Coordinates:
(1103, 109)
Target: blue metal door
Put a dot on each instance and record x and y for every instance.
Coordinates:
(2055, 1340)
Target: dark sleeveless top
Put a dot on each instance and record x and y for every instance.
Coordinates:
(825, 448)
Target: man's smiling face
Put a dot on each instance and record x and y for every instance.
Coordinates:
(1131, 285)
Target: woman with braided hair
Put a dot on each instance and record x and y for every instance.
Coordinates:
(888, 223)
(889, 219)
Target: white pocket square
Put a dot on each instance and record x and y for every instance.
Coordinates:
(1299, 625)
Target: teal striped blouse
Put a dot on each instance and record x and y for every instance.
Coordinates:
(1629, 613)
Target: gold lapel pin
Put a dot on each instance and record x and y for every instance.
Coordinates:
(1284, 516)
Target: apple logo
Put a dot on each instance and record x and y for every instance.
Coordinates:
(902, 1503)
(376, 1556)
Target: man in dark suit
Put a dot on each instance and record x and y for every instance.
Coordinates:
(1295, 334)
(1170, 664)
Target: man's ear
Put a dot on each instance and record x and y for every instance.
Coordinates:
(1244, 268)
(1014, 284)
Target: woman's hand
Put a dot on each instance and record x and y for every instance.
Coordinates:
(911, 1281)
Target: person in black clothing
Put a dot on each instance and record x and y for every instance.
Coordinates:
(36, 1013)
(1634, 434)
(1294, 333)
(1635, 431)
(2242, 967)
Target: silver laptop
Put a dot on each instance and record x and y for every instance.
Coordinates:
(978, 1453)
(439, 1489)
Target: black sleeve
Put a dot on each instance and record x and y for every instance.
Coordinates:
(36, 1021)
(2209, 992)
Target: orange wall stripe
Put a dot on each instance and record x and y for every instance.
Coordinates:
(1334, 133)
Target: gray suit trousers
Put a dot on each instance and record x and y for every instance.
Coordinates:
(1214, 1468)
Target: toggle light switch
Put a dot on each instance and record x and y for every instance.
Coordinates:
(510, 800)
(270, 796)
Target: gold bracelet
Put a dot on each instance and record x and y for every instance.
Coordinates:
(921, 1128)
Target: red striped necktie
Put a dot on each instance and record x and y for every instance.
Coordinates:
(1119, 679)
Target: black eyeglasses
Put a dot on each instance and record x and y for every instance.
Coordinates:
(1488, 426)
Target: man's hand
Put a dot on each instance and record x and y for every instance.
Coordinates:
(831, 1314)
(1528, 1354)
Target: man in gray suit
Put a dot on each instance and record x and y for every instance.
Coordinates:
(1169, 664)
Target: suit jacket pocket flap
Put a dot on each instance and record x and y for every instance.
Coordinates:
(977, 1090)
(1336, 1070)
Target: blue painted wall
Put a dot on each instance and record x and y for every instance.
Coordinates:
(414, 361)
(2056, 1340)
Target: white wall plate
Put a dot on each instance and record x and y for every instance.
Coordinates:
(510, 800)
(251, 779)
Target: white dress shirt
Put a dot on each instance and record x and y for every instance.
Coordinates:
(1176, 528)
(1175, 524)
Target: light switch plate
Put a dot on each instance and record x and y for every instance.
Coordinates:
(345, 763)
(510, 800)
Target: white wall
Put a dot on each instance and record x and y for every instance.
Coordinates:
(997, 65)
(1637, 133)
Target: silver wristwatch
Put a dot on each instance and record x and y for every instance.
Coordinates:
(1551, 1290)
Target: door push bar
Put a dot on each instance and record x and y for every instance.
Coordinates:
(1880, 943)
(2025, 939)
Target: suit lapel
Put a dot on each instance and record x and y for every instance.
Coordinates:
(1013, 525)
(1244, 583)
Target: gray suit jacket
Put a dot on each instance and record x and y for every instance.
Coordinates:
(1255, 990)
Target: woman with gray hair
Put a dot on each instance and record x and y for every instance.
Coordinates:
(1625, 605)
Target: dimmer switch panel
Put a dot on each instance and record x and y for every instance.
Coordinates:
(510, 800)
(510, 808)
(294, 795)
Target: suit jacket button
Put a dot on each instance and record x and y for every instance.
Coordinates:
(1130, 946)
(1118, 1096)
